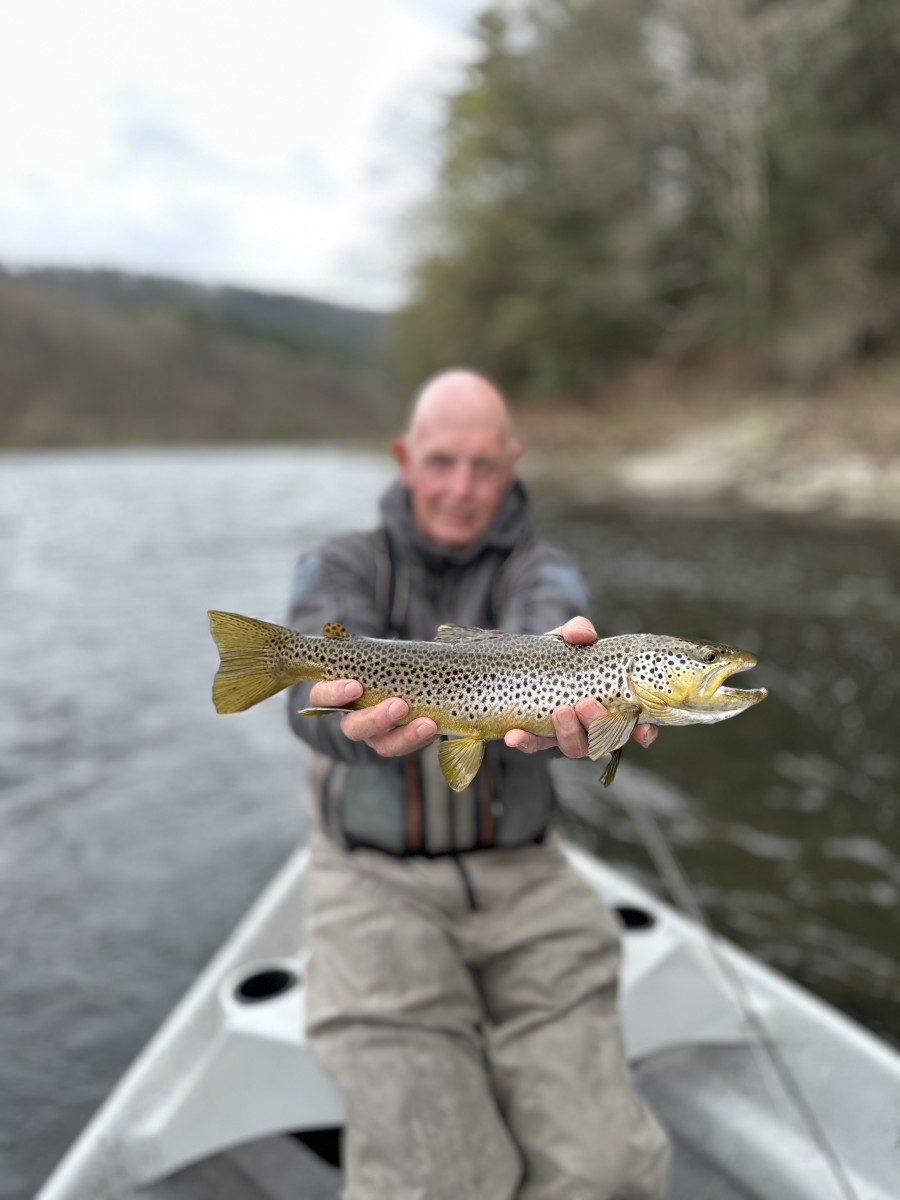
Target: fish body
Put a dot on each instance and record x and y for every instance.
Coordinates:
(478, 684)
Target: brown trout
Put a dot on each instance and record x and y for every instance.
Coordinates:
(477, 684)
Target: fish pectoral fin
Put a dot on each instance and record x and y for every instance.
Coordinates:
(460, 759)
(611, 767)
(609, 732)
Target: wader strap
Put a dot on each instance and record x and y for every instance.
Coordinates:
(415, 807)
(391, 586)
(484, 782)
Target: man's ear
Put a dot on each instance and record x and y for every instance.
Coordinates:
(400, 451)
(514, 451)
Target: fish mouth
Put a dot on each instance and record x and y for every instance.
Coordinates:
(714, 695)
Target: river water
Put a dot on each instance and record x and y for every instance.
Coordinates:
(136, 825)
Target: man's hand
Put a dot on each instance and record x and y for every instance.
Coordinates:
(571, 721)
(377, 726)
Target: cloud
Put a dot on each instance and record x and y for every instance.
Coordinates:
(226, 141)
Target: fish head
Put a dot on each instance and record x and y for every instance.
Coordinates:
(682, 682)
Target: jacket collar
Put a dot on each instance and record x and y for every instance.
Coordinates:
(511, 526)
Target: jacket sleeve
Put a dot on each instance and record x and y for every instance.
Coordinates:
(334, 582)
(542, 589)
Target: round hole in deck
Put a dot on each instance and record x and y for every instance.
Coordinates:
(635, 918)
(265, 985)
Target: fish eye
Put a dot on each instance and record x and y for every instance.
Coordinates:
(711, 656)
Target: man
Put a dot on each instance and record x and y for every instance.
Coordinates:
(462, 976)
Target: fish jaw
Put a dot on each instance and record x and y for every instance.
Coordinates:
(726, 702)
(731, 662)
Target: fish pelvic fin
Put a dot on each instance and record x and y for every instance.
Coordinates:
(460, 759)
(247, 670)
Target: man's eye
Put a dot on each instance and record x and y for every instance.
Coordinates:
(485, 469)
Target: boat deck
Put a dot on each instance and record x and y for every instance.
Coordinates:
(224, 1082)
(278, 1168)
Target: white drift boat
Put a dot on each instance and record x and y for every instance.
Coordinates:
(768, 1093)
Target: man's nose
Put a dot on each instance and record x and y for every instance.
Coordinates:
(461, 479)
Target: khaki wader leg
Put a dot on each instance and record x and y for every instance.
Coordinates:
(467, 1043)
(394, 1018)
(554, 1042)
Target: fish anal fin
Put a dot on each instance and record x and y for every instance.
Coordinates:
(465, 633)
(612, 730)
(460, 759)
(611, 767)
(334, 629)
(322, 712)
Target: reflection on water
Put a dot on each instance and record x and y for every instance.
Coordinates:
(787, 818)
(136, 825)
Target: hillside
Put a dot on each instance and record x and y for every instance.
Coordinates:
(91, 357)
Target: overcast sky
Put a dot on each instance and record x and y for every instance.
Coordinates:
(273, 143)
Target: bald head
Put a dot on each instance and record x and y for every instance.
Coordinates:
(457, 456)
(460, 399)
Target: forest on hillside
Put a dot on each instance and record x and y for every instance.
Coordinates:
(625, 187)
(96, 357)
(631, 179)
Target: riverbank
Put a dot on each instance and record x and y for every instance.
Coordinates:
(665, 437)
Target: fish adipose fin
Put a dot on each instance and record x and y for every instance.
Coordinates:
(460, 759)
(611, 731)
(334, 629)
(244, 676)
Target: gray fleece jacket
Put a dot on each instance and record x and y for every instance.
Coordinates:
(393, 582)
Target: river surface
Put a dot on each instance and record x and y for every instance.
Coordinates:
(136, 825)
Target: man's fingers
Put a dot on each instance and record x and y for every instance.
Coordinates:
(368, 723)
(335, 693)
(571, 724)
(405, 740)
(528, 743)
(379, 728)
(579, 631)
(571, 735)
(645, 735)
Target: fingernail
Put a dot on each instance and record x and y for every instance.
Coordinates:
(397, 710)
(424, 729)
(352, 690)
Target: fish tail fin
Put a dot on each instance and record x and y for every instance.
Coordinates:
(249, 670)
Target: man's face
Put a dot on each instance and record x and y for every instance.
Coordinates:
(457, 477)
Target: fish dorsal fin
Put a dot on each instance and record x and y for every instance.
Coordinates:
(465, 633)
(334, 629)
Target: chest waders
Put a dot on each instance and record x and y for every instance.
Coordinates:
(404, 807)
